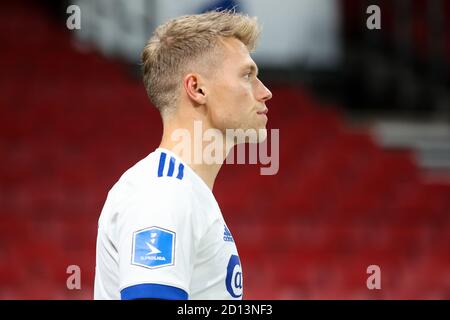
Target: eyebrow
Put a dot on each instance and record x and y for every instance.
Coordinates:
(252, 67)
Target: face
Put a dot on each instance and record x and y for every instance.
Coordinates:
(236, 97)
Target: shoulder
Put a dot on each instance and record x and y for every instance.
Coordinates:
(156, 181)
(150, 185)
(154, 175)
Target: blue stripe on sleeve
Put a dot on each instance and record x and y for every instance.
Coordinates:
(171, 166)
(153, 291)
(162, 161)
(180, 171)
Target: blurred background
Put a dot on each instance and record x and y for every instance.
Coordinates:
(364, 119)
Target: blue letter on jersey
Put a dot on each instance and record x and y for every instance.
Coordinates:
(153, 248)
(233, 280)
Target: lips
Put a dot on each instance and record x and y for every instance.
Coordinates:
(264, 111)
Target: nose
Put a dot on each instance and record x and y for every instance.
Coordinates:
(264, 93)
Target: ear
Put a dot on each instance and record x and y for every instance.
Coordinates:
(192, 83)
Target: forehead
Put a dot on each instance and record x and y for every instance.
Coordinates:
(235, 53)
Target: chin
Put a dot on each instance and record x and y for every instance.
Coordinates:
(248, 135)
(261, 132)
(262, 135)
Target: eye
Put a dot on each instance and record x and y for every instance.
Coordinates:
(248, 75)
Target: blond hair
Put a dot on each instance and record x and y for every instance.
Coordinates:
(176, 45)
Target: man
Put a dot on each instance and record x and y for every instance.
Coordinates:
(161, 233)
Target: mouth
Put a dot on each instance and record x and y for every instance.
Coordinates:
(263, 112)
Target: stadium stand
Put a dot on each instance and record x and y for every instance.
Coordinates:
(72, 122)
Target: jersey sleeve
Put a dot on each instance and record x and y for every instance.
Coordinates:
(156, 244)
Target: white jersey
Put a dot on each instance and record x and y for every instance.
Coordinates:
(161, 235)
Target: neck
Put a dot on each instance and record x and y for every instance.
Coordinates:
(188, 144)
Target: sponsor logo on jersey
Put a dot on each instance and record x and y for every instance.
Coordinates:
(153, 248)
(227, 235)
(233, 281)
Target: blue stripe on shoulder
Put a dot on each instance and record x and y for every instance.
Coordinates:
(171, 170)
(162, 161)
(155, 291)
(180, 171)
(171, 166)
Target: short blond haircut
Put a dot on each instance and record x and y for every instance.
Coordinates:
(178, 44)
